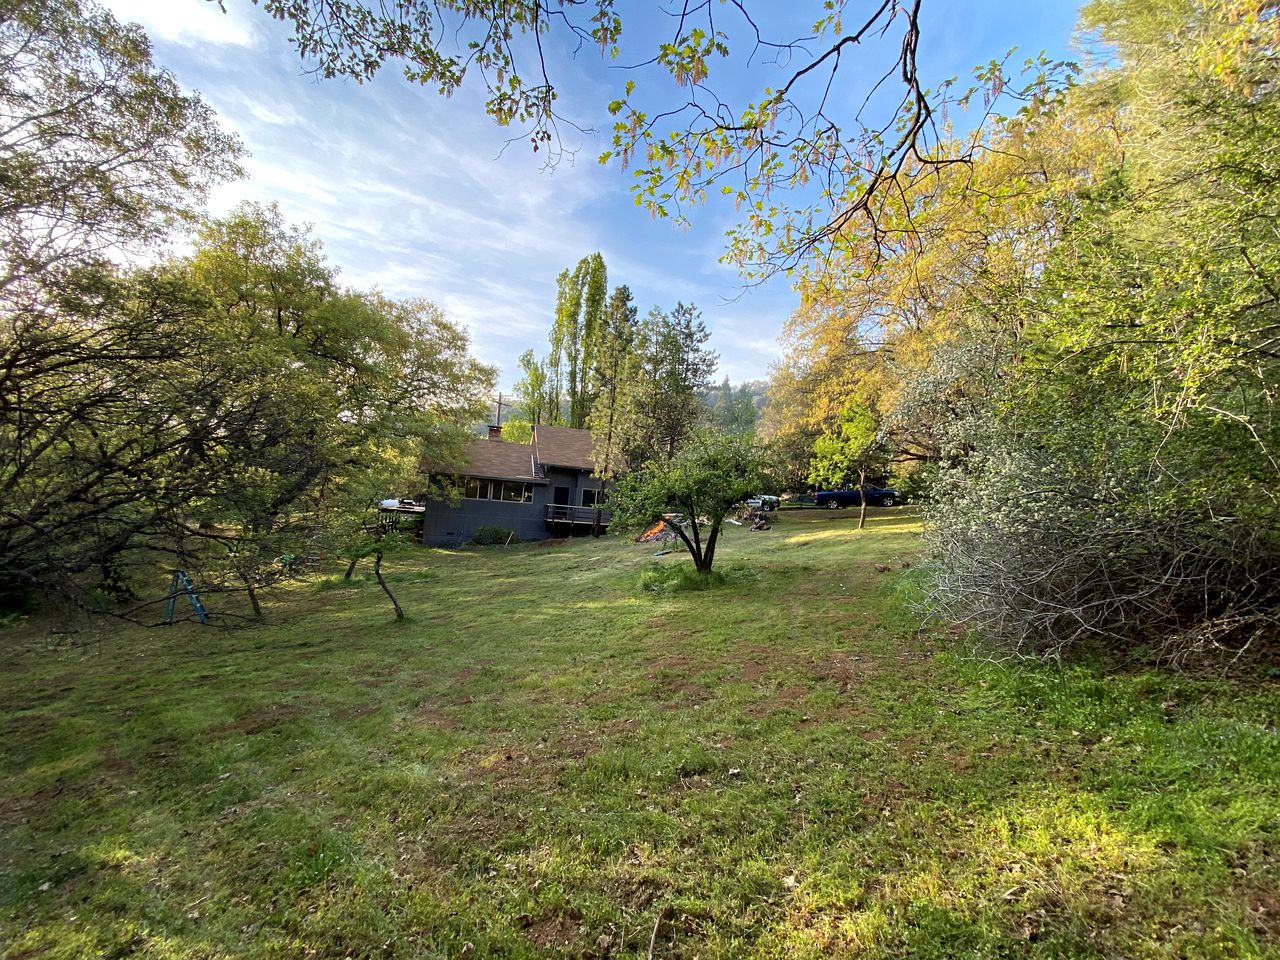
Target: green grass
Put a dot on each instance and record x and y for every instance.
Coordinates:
(551, 756)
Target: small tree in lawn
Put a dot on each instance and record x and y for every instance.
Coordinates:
(853, 449)
(376, 539)
(701, 483)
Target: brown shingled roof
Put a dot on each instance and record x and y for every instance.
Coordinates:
(499, 460)
(563, 447)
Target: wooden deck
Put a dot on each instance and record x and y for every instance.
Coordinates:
(575, 516)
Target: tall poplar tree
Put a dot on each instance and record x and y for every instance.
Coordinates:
(580, 300)
(615, 365)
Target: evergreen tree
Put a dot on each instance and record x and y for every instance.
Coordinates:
(615, 366)
(660, 405)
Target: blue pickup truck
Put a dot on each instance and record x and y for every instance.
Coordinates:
(852, 497)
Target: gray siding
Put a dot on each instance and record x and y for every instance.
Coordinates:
(446, 526)
(575, 480)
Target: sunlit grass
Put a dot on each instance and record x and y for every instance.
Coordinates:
(548, 759)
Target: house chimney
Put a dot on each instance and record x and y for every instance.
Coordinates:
(495, 431)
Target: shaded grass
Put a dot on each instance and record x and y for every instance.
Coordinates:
(546, 760)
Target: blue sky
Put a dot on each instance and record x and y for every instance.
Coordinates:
(415, 194)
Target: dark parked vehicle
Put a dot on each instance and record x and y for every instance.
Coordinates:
(852, 497)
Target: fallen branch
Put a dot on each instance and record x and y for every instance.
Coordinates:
(653, 937)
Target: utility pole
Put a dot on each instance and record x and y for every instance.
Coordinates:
(499, 421)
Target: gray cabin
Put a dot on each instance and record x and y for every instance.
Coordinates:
(540, 489)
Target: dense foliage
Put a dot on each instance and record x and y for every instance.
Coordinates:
(216, 411)
(1136, 436)
(1075, 334)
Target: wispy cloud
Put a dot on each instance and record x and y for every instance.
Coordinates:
(190, 23)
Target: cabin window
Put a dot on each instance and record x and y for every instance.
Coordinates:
(517, 492)
(511, 491)
(590, 497)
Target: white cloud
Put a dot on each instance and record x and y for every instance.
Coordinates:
(189, 23)
(408, 193)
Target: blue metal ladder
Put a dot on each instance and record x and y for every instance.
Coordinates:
(181, 584)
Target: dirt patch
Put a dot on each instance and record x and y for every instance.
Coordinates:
(689, 784)
(259, 721)
(843, 672)
(791, 694)
(112, 770)
(554, 932)
(577, 746)
(1263, 904)
(676, 681)
(753, 670)
(676, 694)
(434, 715)
(637, 887)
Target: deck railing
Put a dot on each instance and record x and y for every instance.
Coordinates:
(562, 513)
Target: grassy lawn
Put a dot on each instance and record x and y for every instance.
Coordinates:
(552, 759)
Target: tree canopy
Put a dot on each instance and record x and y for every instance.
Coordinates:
(218, 411)
(694, 490)
(100, 149)
(1073, 334)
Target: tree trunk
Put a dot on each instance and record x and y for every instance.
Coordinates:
(377, 572)
(695, 549)
(253, 596)
(351, 568)
(608, 449)
(709, 554)
(862, 499)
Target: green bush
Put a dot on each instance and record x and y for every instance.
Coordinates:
(1043, 544)
(492, 536)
